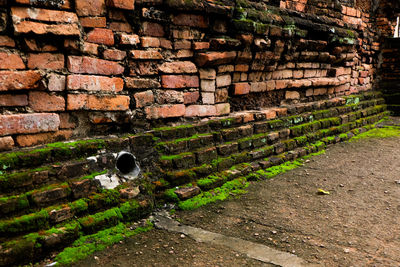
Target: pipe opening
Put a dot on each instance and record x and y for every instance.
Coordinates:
(126, 163)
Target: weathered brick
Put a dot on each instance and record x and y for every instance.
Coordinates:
(292, 95)
(221, 95)
(178, 67)
(215, 58)
(258, 87)
(144, 98)
(11, 61)
(200, 111)
(46, 61)
(150, 41)
(56, 82)
(101, 36)
(208, 98)
(28, 123)
(93, 22)
(191, 97)
(128, 39)
(136, 83)
(122, 4)
(90, 48)
(67, 121)
(224, 80)
(208, 74)
(200, 45)
(94, 83)
(223, 108)
(6, 143)
(20, 13)
(6, 41)
(13, 100)
(182, 44)
(187, 192)
(42, 101)
(143, 68)
(208, 85)
(165, 111)
(179, 81)
(241, 88)
(169, 97)
(94, 102)
(120, 27)
(114, 54)
(191, 20)
(90, 65)
(18, 80)
(90, 8)
(39, 28)
(42, 138)
(152, 29)
(141, 54)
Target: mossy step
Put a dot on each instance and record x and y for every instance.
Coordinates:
(33, 245)
(31, 178)
(57, 152)
(48, 195)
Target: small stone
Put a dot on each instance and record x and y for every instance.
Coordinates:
(256, 234)
(96, 258)
(346, 250)
(183, 236)
(274, 232)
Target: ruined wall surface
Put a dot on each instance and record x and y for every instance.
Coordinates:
(77, 68)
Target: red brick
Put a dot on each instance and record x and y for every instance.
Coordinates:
(20, 13)
(201, 45)
(179, 81)
(101, 36)
(299, 83)
(18, 80)
(13, 100)
(120, 27)
(271, 85)
(184, 53)
(141, 54)
(200, 111)
(242, 68)
(90, 8)
(41, 101)
(140, 83)
(94, 83)
(165, 111)
(91, 65)
(241, 88)
(66, 4)
(94, 102)
(26, 27)
(90, 48)
(122, 4)
(46, 61)
(208, 74)
(11, 61)
(164, 43)
(178, 67)
(6, 143)
(281, 84)
(215, 58)
(67, 121)
(144, 98)
(28, 123)
(93, 22)
(190, 20)
(114, 54)
(6, 41)
(128, 39)
(56, 82)
(42, 138)
(150, 42)
(191, 97)
(152, 29)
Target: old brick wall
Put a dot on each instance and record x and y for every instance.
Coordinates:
(77, 68)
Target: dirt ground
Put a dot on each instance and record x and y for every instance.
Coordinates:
(355, 225)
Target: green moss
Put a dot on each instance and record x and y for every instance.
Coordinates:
(172, 157)
(92, 175)
(211, 181)
(29, 222)
(385, 132)
(89, 244)
(97, 221)
(231, 188)
(79, 205)
(170, 195)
